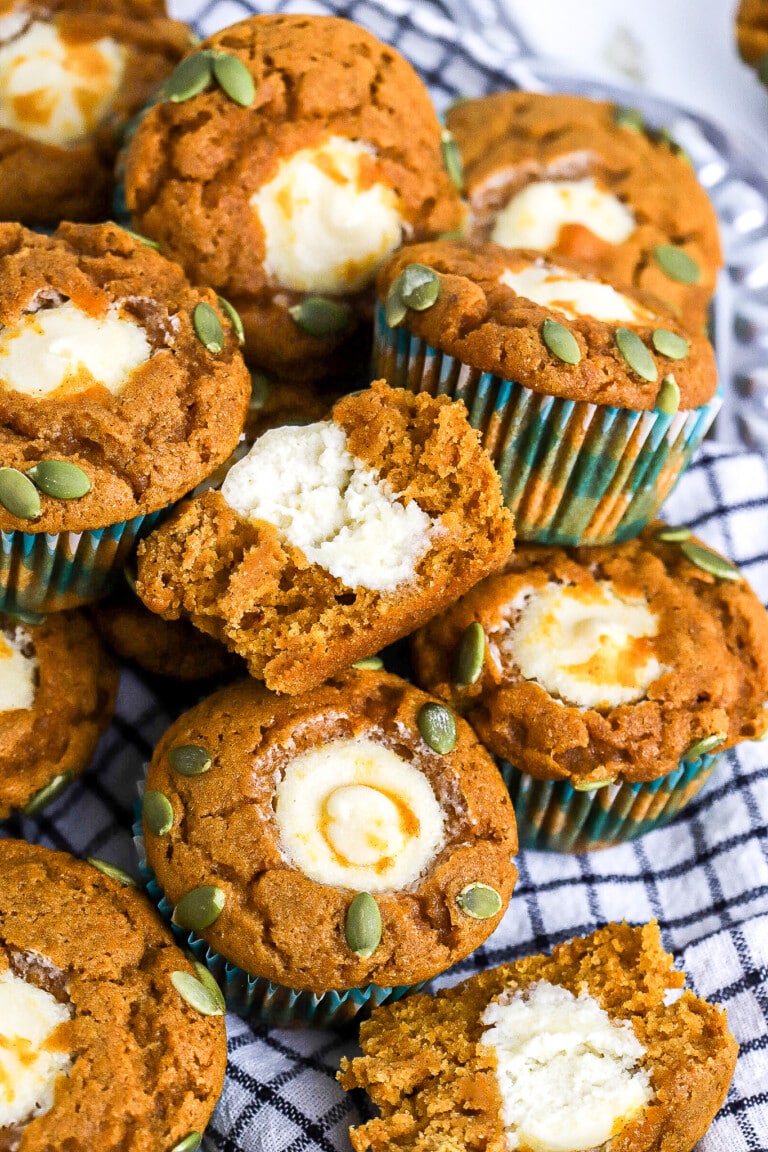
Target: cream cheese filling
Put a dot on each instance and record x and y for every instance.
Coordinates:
(324, 501)
(534, 216)
(353, 813)
(568, 1075)
(30, 1061)
(18, 671)
(573, 295)
(55, 90)
(327, 227)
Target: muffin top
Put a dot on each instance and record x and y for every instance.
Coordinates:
(752, 33)
(606, 663)
(300, 805)
(583, 178)
(102, 368)
(100, 1049)
(555, 327)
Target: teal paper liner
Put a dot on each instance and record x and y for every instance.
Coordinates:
(553, 817)
(571, 472)
(256, 998)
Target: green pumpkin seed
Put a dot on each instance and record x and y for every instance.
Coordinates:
(469, 655)
(18, 494)
(208, 328)
(418, 287)
(142, 239)
(199, 908)
(362, 927)
(157, 811)
(479, 901)
(438, 727)
(560, 341)
(234, 79)
(677, 264)
(369, 664)
(668, 396)
(112, 871)
(630, 118)
(60, 479)
(208, 979)
(452, 158)
(321, 316)
(456, 234)
(672, 534)
(47, 794)
(395, 310)
(762, 68)
(196, 994)
(636, 354)
(592, 785)
(260, 390)
(189, 759)
(671, 345)
(702, 747)
(189, 78)
(33, 619)
(190, 1143)
(709, 561)
(233, 316)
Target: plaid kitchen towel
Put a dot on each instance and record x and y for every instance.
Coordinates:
(705, 878)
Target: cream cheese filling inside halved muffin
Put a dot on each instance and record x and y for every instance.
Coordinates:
(18, 670)
(573, 295)
(30, 1060)
(534, 216)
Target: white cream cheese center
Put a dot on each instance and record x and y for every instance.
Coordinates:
(328, 504)
(534, 216)
(554, 287)
(29, 1061)
(18, 671)
(355, 814)
(327, 227)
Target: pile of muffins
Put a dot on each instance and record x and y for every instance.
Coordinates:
(198, 472)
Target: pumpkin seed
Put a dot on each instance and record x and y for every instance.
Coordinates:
(592, 785)
(208, 328)
(395, 310)
(60, 479)
(18, 494)
(320, 316)
(456, 234)
(234, 79)
(47, 794)
(190, 1143)
(143, 239)
(452, 158)
(362, 927)
(196, 994)
(199, 908)
(112, 871)
(260, 389)
(438, 727)
(189, 78)
(636, 354)
(418, 287)
(709, 561)
(677, 264)
(708, 744)
(671, 345)
(233, 316)
(672, 534)
(560, 341)
(33, 619)
(369, 664)
(189, 759)
(208, 979)
(157, 811)
(762, 68)
(469, 655)
(668, 396)
(479, 901)
(631, 118)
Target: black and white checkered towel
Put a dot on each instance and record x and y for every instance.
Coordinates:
(705, 878)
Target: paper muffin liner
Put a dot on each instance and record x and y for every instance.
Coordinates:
(571, 472)
(256, 998)
(45, 572)
(552, 816)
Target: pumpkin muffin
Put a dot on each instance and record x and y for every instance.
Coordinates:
(57, 695)
(608, 677)
(329, 541)
(569, 1051)
(584, 178)
(121, 388)
(109, 1037)
(291, 155)
(752, 35)
(72, 73)
(340, 845)
(590, 395)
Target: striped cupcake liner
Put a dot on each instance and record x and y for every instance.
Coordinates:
(44, 572)
(553, 817)
(256, 998)
(571, 472)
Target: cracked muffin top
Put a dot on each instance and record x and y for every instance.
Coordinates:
(98, 1047)
(72, 72)
(584, 178)
(363, 786)
(299, 153)
(102, 370)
